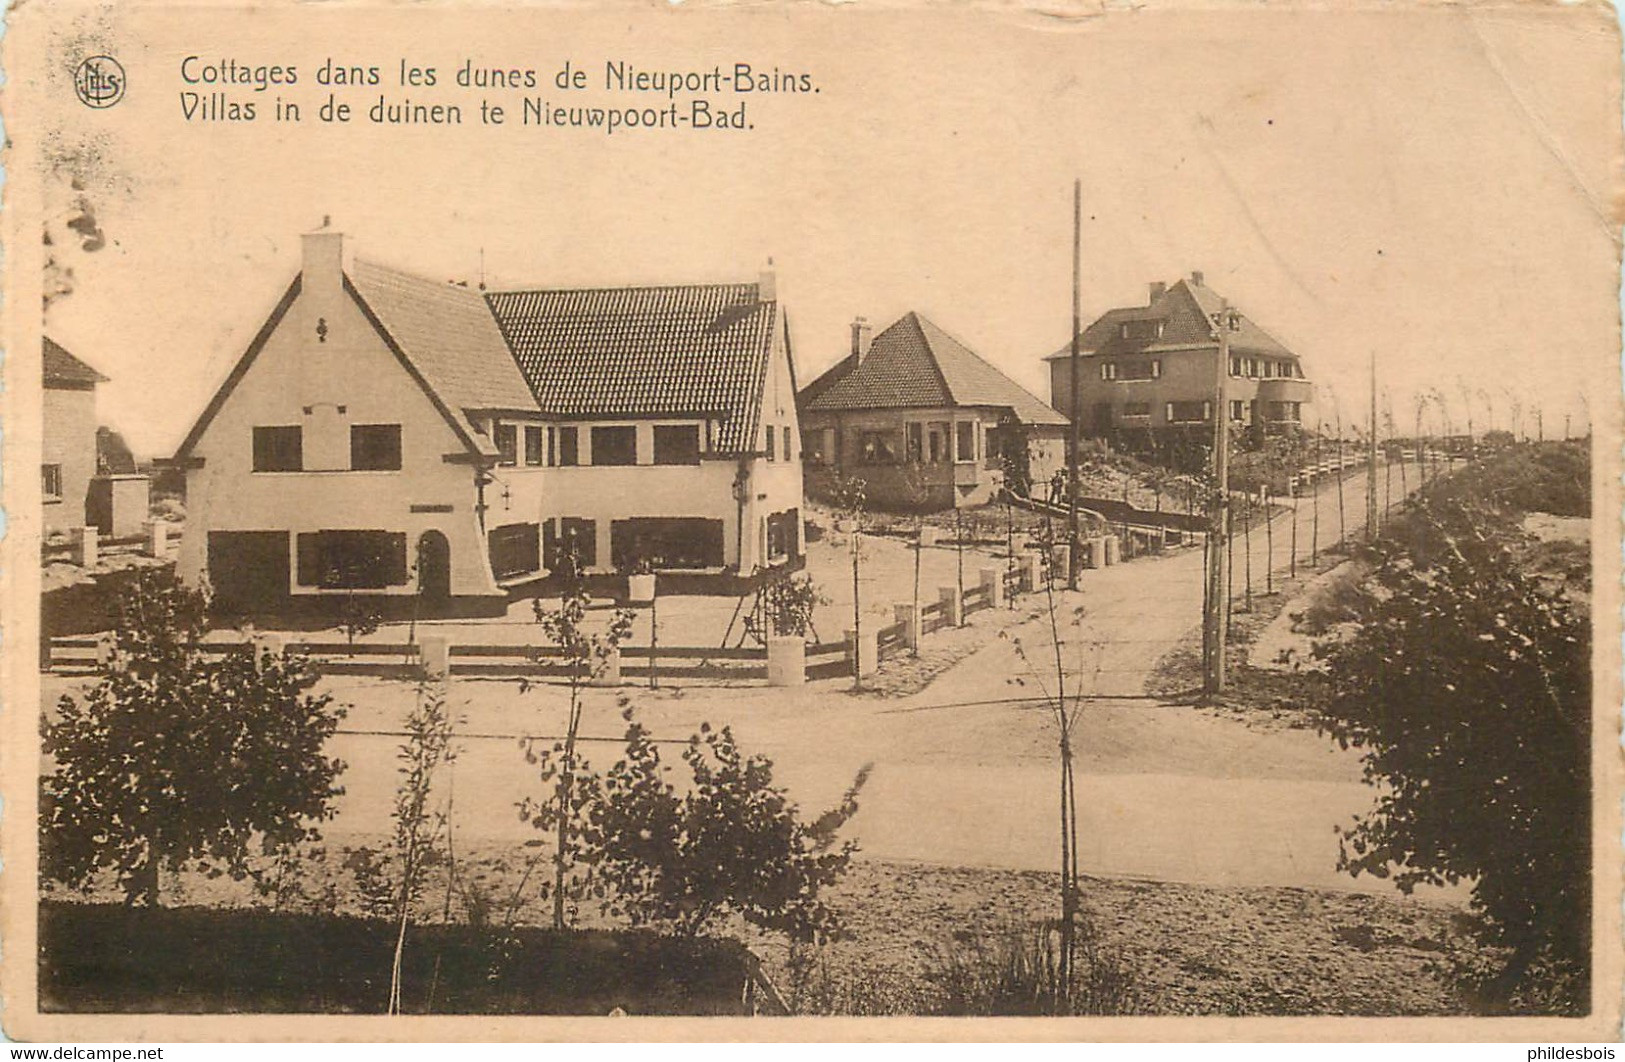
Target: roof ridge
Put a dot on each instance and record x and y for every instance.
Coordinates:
(538, 290)
(919, 321)
(968, 349)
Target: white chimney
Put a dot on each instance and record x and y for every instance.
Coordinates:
(767, 284)
(862, 336)
(1158, 288)
(322, 271)
(319, 318)
(1196, 277)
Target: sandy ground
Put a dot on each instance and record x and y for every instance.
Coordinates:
(964, 770)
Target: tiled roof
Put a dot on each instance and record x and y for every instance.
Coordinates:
(447, 333)
(63, 368)
(1185, 309)
(695, 350)
(912, 364)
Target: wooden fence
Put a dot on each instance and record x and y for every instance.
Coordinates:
(84, 655)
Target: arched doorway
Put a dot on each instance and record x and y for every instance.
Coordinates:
(434, 566)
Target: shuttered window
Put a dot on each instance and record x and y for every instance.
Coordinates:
(352, 560)
(515, 550)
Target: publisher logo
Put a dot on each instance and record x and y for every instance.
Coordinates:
(99, 81)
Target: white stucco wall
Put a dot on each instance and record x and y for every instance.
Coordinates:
(69, 440)
(354, 369)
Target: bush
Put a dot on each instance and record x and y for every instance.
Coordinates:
(172, 758)
(1467, 687)
(733, 843)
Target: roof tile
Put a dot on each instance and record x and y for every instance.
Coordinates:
(60, 367)
(691, 350)
(913, 364)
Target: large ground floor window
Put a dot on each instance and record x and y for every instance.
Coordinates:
(666, 542)
(516, 549)
(352, 560)
(569, 540)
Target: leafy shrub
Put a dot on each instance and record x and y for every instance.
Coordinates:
(1467, 688)
(732, 843)
(172, 758)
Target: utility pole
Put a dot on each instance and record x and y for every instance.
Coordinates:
(1371, 460)
(1218, 597)
(1076, 441)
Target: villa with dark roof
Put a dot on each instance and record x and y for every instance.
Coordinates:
(1149, 374)
(437, 450)
(924, 421)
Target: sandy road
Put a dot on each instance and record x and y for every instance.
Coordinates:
(964, 773)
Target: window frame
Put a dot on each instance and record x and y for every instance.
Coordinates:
(51, 470)
(601, 436)
(358, 432)
(505, 437)
(664, 456)
(964, 431)
(295, 432)
(569, 453)
(314, 570)
(534, 449)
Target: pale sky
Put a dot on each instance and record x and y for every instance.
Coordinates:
(1432, 186)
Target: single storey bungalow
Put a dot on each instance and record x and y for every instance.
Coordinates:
(436, 449)
(925, 422)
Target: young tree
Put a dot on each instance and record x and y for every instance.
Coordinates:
(917, 485)
(172, 758)
(587, 656)
(851, 504)
(1467, 688)
(359, 618)
(419, 830)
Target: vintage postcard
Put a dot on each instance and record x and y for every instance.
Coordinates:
(789, 521)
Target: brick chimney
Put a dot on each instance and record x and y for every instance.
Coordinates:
(1196, 277)
(862, 336)
(1158, 288)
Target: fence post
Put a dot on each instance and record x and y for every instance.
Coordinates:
(157, 538)
(611, 675)
(1113, 549)
(1093, 553)
(909, 616)
(786, 660)
(865, 650)
(1032, 571)
(953, 606)
(434, 652)
(84, 547)
(264, 644)
(993, 583)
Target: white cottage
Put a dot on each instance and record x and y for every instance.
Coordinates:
(438, 450)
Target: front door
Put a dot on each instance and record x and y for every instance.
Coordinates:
(434, 566)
